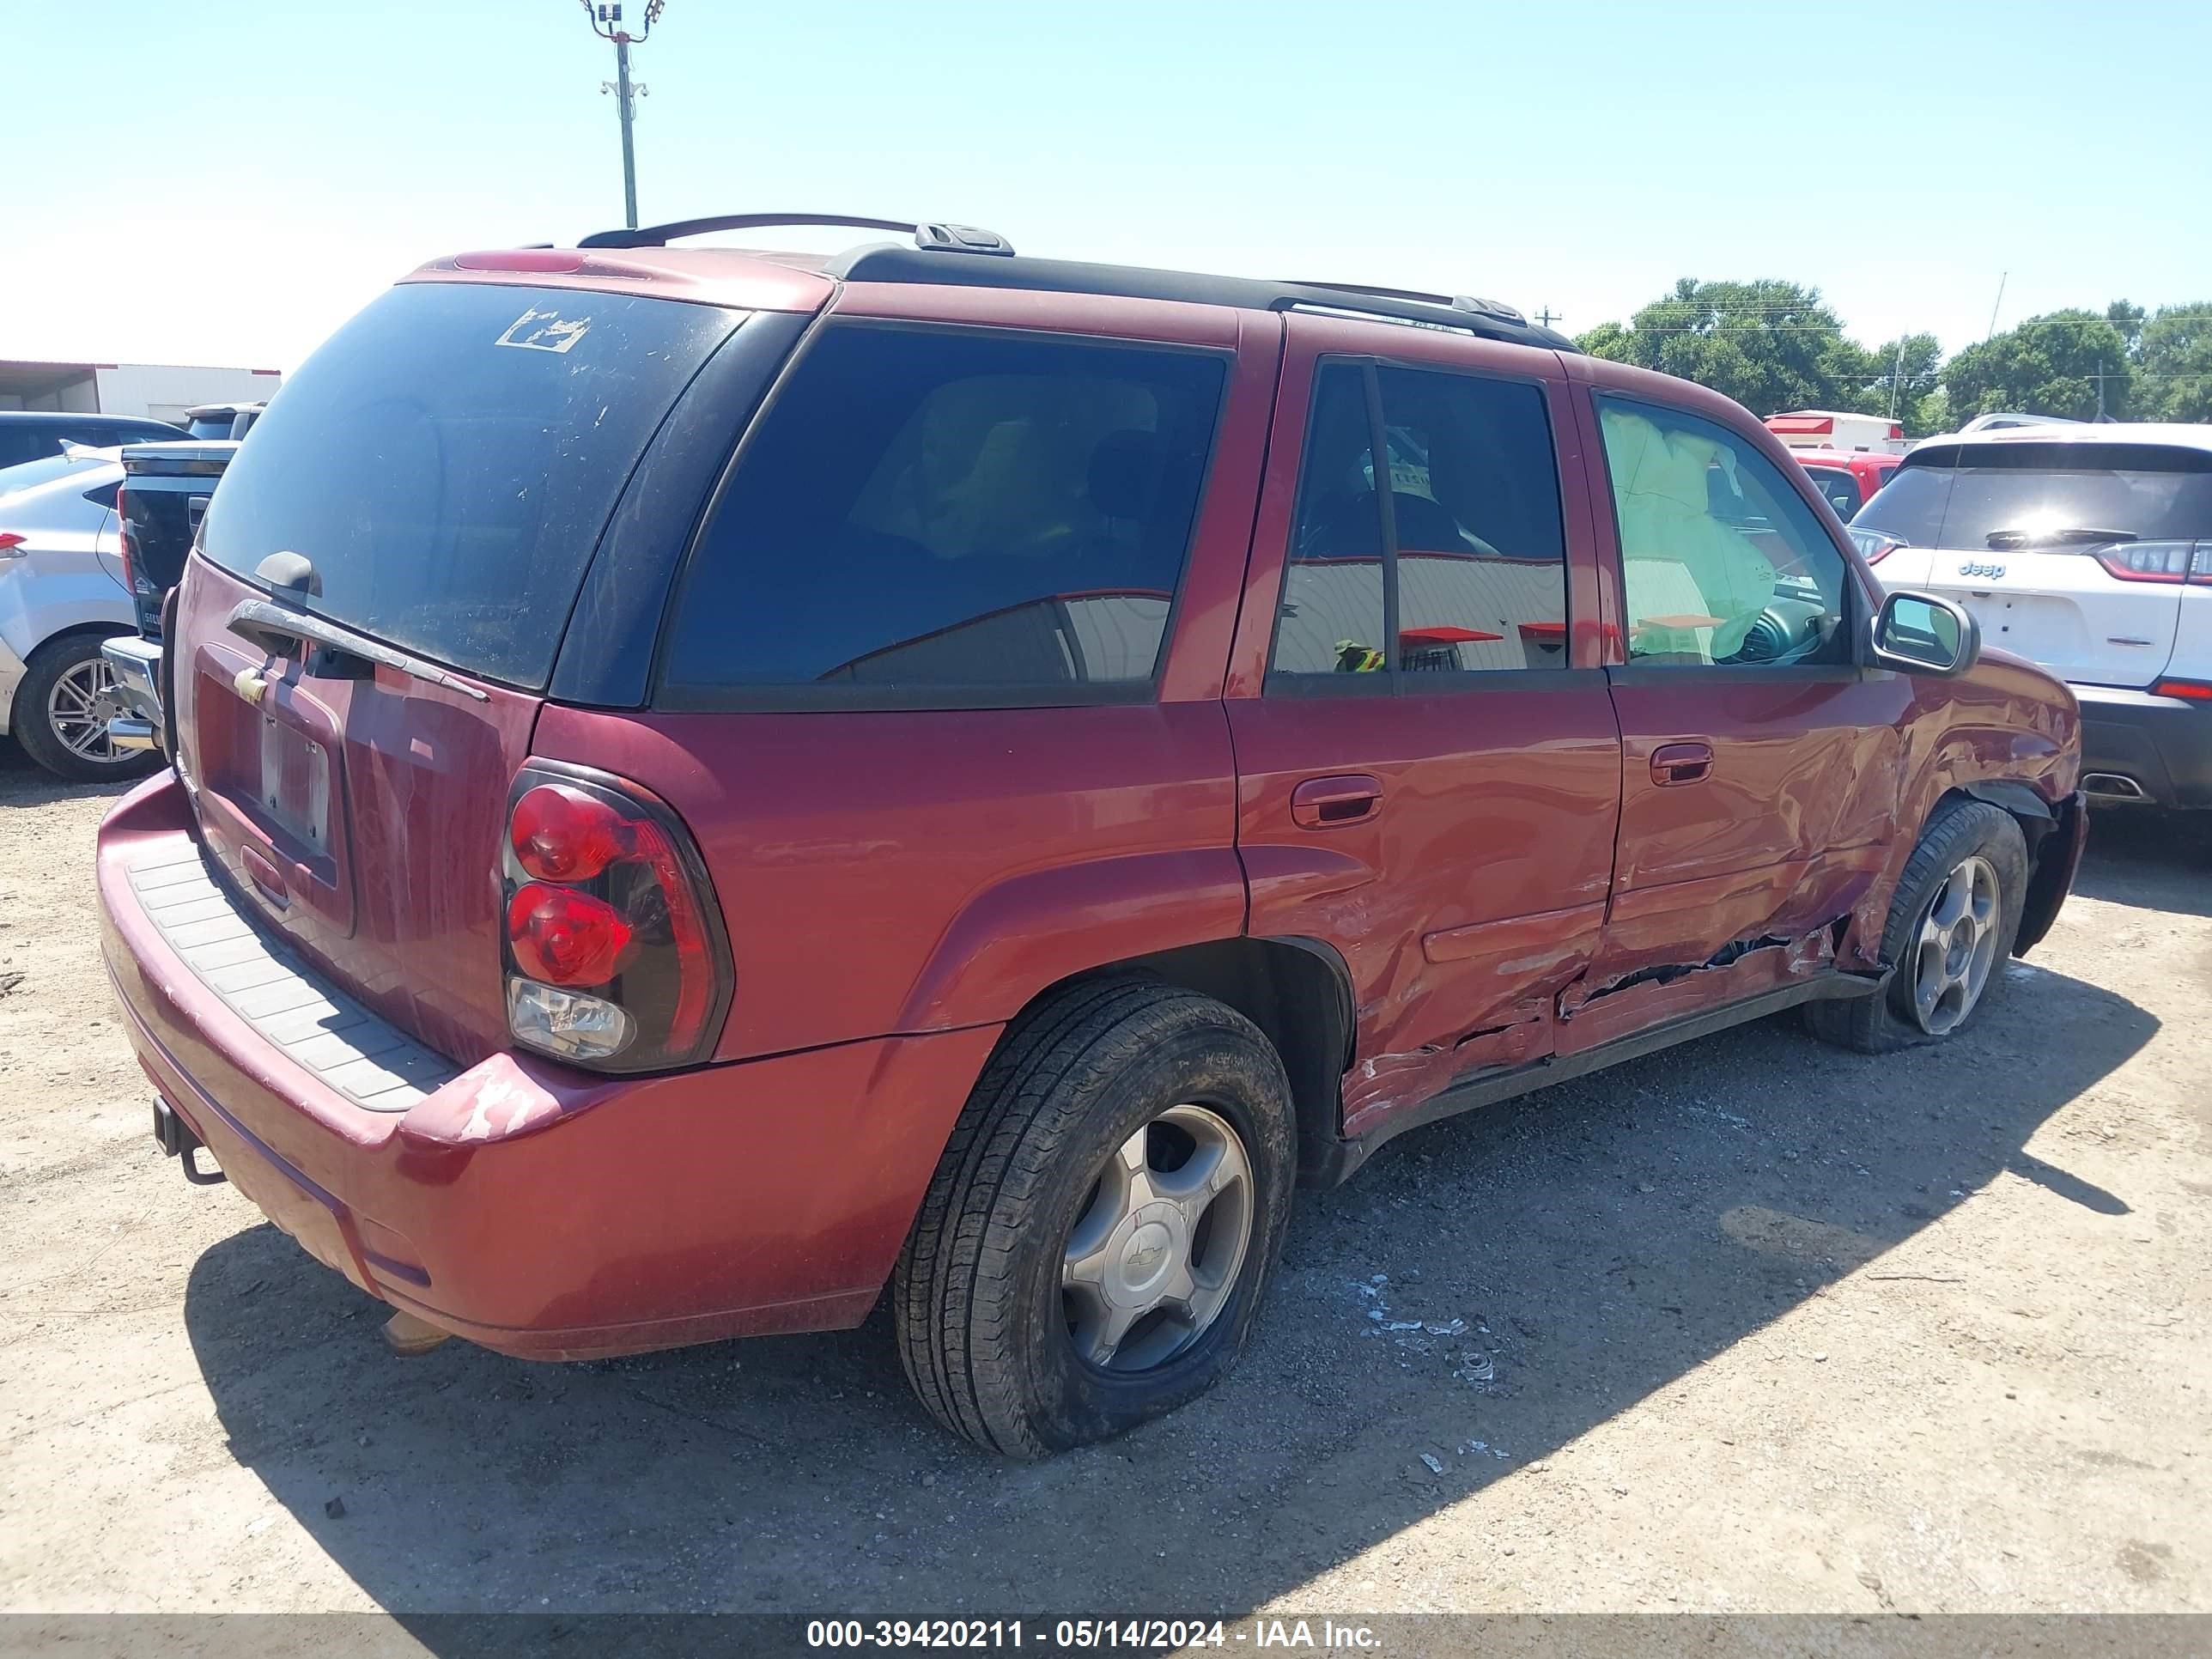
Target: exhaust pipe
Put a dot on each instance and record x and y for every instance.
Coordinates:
(2112, 786)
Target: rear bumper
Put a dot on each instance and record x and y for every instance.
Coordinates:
(2163, 745)
(136, 662)
(539, 1210)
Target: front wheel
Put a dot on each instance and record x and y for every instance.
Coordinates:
(62, 708)
(1094, 1245)
(1951, 926)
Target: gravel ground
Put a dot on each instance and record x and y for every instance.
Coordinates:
(1753, 1324)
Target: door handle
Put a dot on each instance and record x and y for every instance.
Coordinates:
(1681, 763)
(1325, 803)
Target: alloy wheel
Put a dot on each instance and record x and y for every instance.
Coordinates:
(1155, 1256)
(1956, 946)
(79, 707)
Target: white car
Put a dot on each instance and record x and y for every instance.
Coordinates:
(61, 593)
(2086, 549)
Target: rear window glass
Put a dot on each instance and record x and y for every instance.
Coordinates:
(953, 514)
(1957, 495)
(25, 475)
(447, 460)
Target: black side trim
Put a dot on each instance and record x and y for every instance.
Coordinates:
(2015, 797)
(1489, 1087)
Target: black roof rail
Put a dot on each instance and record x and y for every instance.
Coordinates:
(939, 237)
(886, 262)
(1456, 301)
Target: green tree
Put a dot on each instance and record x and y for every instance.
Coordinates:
(1770, 346)
(2174, 363)
(2046, 366)
(1917, 364)
(2127, 316)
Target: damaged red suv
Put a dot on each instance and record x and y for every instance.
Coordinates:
(709, 784)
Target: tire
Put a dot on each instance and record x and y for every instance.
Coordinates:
(1958, 831)
(987, 1330)
(33, 721)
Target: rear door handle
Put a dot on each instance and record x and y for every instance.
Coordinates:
(1325, 803)
(1681, 763)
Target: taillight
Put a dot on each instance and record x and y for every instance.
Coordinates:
(2153, 562)
(1873, 547)
(2195, 690)
(615, 954)
(9, 541)
(126, 540)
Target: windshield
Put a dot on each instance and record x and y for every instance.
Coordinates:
(449, 459)
(1956, 496)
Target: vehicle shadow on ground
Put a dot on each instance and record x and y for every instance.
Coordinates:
(24, 782)
(1593, 1243)
(2158, 860)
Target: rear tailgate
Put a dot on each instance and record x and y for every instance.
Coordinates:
(165, 494)
(439, 475)
(2072, 552)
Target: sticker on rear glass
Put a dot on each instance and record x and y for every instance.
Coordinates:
(544, 330)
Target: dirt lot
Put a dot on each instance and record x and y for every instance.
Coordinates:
(1753, 1324)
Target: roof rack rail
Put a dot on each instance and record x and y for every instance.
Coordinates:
(939, 237)
(1456, 301)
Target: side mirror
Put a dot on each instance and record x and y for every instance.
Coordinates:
(1920, 633)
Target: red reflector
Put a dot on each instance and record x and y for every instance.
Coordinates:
(564, 835)
(2196, 690)
(564, 937)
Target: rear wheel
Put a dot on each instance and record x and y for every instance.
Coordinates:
(1094, 1245)
(1951, 927)
(62, 708)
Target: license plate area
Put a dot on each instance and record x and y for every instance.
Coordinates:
(272, 788)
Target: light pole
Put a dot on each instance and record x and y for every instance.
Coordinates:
(607, 24)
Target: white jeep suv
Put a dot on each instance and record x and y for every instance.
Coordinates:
(2086, 549)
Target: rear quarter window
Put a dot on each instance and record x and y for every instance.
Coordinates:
(951, 517)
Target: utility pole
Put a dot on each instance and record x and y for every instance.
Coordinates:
(1547, 316)
(1896, 374)
(607, 24)
(1999, 300)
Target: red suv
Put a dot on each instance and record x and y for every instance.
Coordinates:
(711, 782)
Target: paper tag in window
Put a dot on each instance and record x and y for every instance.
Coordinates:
(544, 330)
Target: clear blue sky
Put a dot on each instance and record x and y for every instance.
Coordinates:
(225, 182)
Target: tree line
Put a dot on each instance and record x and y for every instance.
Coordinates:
(1772, 346)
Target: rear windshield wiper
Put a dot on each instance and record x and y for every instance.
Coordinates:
(2006, 541)
(273, 627)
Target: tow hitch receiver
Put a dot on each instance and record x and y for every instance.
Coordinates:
(177, 1141)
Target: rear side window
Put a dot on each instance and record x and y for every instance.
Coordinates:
(953, 517)
(1958, 496)
(449, 459)
(1841, 488)
(1472, 571)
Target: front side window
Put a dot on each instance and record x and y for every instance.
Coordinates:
(1467, 565)
(949, 513)
(1722, 562)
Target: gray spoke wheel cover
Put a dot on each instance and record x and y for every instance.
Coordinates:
(1955, 946)
(80, 706)
(1156, 1254)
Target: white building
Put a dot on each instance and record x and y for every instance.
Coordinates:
(160, 391)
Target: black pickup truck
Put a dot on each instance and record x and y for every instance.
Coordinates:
(166, 490)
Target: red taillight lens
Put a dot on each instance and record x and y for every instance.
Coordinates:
(561, 833)
(1873, 547)
(604, 891)
(2146, 561)
(124, 537)
(2195, 690)
(563, 937)
(9, 541)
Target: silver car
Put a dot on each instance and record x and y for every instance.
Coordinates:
(62, 592)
